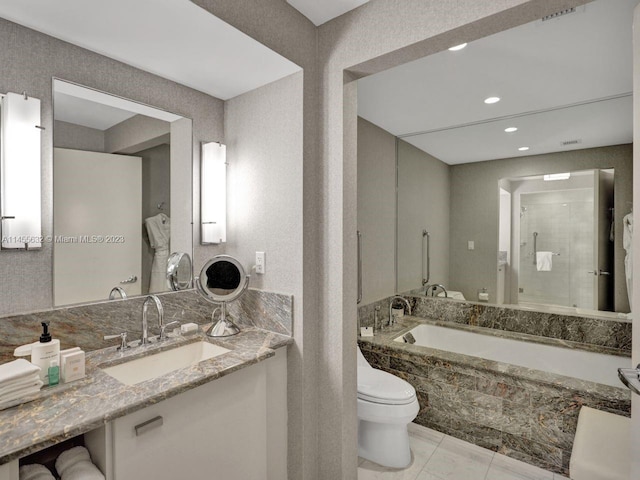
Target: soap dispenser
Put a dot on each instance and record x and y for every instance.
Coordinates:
(42, 352)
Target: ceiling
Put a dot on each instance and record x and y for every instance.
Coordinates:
(174, 39)
(321, 11)
(582, 61)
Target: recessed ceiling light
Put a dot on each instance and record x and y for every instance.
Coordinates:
(511, 129)
(491, 100)
(458, 47)
(523, 149)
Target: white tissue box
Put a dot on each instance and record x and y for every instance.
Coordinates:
(72, 366)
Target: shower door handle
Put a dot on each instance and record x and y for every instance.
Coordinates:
(598, 272)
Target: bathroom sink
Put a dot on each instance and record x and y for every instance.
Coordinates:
(162, 363)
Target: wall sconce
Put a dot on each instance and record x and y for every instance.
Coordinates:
(213, 193)
(20, 174)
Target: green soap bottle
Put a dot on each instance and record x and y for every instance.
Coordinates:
(54, 372)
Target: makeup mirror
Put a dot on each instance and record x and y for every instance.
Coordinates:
(179, 271)
(222, 280)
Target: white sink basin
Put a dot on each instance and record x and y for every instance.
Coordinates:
(161, 363)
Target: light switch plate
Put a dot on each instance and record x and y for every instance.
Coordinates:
(471, 245)
(260, 263)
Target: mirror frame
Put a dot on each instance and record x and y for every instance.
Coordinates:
(173, 269)
(213, 297)
(192, 157)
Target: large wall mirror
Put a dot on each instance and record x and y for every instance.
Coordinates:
(513, 147)
(121, 195)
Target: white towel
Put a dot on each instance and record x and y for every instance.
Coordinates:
(82, 470)
(70, 457)
(20, 384)
(17, 369)
(18, 394)
(543, 261)
(35, 472)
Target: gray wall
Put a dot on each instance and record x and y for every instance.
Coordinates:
(70, 135)
(26, 278)
(135, 134)
(474, 210)
(377, 210)
(263, 131)
(423, 204)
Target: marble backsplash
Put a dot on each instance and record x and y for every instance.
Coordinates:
(611, 333)
(85, 325)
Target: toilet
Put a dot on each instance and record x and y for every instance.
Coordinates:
(386, 405)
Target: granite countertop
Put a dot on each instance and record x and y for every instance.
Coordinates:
(71, 409)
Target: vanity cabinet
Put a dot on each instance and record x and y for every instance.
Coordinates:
(224, 429)
(9, 471)
(234, 427)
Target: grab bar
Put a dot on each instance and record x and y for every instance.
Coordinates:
(426, 280)
(535, 249)
(359, 266)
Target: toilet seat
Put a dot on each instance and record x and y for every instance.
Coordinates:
(377, 386)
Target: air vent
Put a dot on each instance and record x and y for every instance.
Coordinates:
(567, 143)
(561, 13)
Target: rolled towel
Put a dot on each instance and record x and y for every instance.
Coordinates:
(16, 369)
(70, 457)
(35, 472)
(82, 470)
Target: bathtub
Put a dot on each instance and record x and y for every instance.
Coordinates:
(590, 366)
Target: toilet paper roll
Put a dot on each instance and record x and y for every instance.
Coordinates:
(483, 296)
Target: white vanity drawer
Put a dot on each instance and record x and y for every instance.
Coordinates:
(204, 433)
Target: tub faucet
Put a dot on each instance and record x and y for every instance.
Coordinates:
(392, 318)
(145, 323)
(433, 288)
(117, 291)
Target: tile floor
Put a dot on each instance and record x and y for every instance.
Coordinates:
(441, 457)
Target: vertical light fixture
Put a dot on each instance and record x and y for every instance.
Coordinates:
(213, 193)
(20, 173)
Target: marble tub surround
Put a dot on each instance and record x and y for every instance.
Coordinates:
(613, 334)
(38, 424)
(85, 325)
(525, 414)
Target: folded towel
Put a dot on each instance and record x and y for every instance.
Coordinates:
(35, 472)
(544, 261)
(18, 394)
(70, 457)
(16, 369)
(20, 384)
(82, 470)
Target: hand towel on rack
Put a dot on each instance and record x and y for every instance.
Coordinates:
(543, 261)
(35, 472)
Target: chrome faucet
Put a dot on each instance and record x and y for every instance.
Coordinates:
(117, 291)
(392, 318)
(145, 323)
(433, 288)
